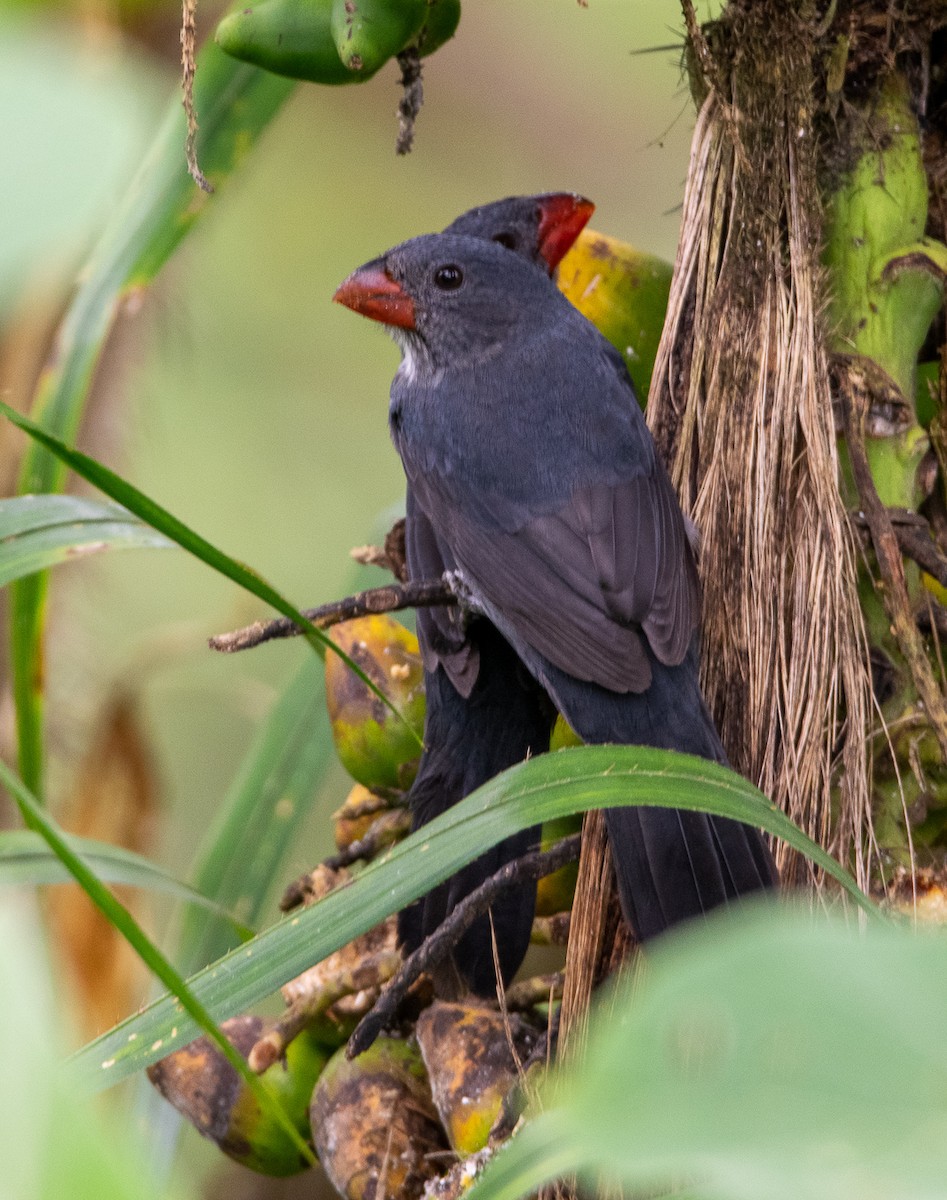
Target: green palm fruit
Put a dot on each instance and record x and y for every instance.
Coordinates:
(205, 1089)
(440, 25)
(287, 37)
(375, 747)
(624, 293)
(886, 284)
(369, 32)
(374, 1124)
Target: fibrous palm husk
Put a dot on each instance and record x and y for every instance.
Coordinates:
(740, 405)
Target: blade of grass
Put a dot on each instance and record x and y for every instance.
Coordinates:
(235, 102)
(38, 532)
(546, 787)
(122, 920)
(25, 858)
(261, 813)
(159, 518)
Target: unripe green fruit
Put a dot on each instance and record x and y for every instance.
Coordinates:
(443, 17)
(555, 892)
(287, 37)
(369, 32)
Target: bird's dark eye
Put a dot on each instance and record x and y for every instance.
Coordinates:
(506, 239)
(449, 278)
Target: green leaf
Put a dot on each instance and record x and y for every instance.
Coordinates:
(546, 787)
(262, 812)
(770, 1052)
(235, 102)
(123, 921)
(159, 518)
(37, 532)
(25, 858)
(53, 1143)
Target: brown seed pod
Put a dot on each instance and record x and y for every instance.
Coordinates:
(374, 1124)
(375, 747)
(470, 1066)
(206, 1089)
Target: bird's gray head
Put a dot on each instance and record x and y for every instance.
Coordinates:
(450, 300)
(539, 228)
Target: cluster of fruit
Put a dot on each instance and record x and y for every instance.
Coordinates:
(393, 1109)
(335, 41)
(408, 1105)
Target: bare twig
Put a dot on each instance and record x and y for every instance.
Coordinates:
(391, 557)
(412, 97)
(391, 827)
(893, 590)
(436, 947)
(189, 67)
(552, 930)
(364, 975)
(371, 807)
(538, 989)
(915, 539)
(421, 593)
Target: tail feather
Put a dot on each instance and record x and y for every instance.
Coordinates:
(745, 856)
(671, 864)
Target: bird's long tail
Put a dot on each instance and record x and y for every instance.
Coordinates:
(671, 864)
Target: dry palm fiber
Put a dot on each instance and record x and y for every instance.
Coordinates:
(740, 405)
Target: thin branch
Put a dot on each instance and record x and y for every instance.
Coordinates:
(915, 539)
(189, 66)
(360, 977)
(421, 593)
(893, 589)
(390, 828)
(916, 542)
(390, 557)
(436, 947)
(538, 989)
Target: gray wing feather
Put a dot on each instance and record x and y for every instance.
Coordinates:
(587, 585)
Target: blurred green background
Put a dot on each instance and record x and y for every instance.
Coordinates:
(234, 392)
(237, 394)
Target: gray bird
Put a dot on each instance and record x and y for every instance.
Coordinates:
(503, 716)
(527, 454)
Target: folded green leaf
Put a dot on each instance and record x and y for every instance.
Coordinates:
(546, 787)
(37, 532)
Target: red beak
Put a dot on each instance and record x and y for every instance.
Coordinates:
(372, 292)
(563, 217)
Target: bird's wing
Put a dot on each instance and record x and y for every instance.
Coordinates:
(585, 586)
(441, 634)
